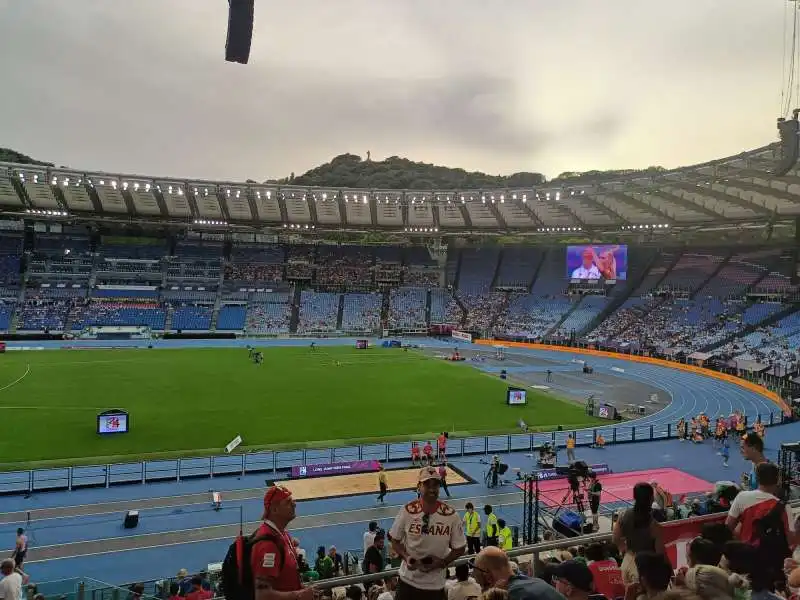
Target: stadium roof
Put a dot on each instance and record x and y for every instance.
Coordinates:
(734, 191)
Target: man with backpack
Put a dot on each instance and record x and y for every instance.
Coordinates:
(763, 520)
(264, 566)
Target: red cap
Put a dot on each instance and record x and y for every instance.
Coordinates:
(275, 494)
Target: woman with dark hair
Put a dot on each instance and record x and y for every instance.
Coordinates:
(637, 531)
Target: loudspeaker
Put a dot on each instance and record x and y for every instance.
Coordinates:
(131, 519)
(240, 30)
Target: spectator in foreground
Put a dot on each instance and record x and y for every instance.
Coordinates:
(637, 531)
(709, 582)
(465, 586)
(655, 575)
(492, 568)
(703, 552)
(272, 561)
(573, 579)
(754, 510)
(606, 573)
(427, 534)
(11, 584)
(198, 593)
(753, 451)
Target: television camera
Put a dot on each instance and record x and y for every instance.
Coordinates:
(577, 473)
(547, 456)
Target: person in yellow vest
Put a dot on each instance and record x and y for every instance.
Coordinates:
(570, 448)
(472, 529)
(491, 526)
(505, 536)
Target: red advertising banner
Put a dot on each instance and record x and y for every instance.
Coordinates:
(2, 347)
(678, 534)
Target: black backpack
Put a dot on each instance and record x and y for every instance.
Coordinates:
(771, 537)
(237, 572)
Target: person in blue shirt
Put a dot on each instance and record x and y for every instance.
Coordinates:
(725, 451)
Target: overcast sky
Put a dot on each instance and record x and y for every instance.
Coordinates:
(141, 86)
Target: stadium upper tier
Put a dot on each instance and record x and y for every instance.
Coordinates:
(737, 189)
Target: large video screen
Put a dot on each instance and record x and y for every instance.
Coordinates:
(608, 263)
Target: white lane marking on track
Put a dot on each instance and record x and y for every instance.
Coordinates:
(17, 380)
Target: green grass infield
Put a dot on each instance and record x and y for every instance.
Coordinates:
(192, 402)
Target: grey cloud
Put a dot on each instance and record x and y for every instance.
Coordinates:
(500, 86)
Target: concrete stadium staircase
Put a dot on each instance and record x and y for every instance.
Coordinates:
(294, 320)
(340, 312)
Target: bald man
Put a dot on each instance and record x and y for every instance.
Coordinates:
(491, 568)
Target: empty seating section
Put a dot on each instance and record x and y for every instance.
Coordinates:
(533, 316)
(444, 308)
(517, 267)
(318, 311)
(552, 277)
(361, 312)
(478, 266)
(202, 250)
(407, 307)
(416, 255)
(124, 314)
(62, 267)
(175, 295)
(779, 279)
(741, 272)
(232, 317)
(10, 255)
(61, 244)
(587, 311)
(192, 317)
(451, 268)
(691, 270)
(149, 249)
(6, 312)
(656, 273)
(49, 291)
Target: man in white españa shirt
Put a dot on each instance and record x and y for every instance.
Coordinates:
(588, 270)
(428, 536)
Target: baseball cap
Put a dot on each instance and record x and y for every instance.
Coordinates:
(426, 473)
(576, 573)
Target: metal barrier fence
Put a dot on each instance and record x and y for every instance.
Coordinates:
(69, 478)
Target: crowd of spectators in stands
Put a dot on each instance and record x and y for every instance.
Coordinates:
(253, 272)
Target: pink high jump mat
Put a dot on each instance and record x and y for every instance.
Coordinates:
(619, 486)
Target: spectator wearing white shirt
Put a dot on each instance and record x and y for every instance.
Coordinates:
(465, 587)
(428, 535)
(11, 584)
(369, 535)
(588, 270)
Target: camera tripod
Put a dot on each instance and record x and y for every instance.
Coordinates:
(577, 499)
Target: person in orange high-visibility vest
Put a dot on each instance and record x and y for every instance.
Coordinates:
(571, 448)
